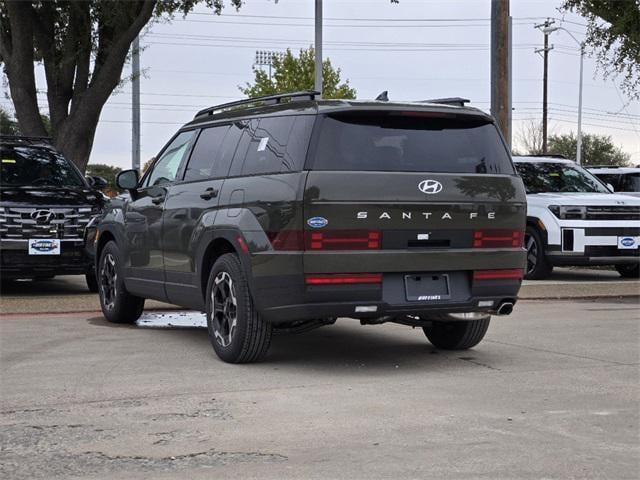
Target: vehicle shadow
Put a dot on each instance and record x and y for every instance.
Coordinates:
(345, 347)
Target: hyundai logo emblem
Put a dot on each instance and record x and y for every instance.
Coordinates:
(43, 216)
(430, 186)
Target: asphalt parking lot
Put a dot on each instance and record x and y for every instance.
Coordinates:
(552, 392)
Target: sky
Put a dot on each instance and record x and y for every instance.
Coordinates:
(415, 49)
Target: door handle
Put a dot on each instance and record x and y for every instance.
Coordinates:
(157, 200)
(209, 193)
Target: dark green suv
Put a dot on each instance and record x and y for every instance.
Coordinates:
(287, 212)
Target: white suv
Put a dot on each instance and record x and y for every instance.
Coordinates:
(573, 219)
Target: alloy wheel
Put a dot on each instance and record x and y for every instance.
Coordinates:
(532, 252)
(224, 314)
(108, 280)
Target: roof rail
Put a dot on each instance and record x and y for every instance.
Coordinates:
(604, 166)
(548, 155)
(455, 101)
(267, 100)
(24, 139)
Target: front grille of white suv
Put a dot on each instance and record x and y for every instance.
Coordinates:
(613, 212)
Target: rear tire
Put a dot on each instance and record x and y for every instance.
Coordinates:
(457, 335)
(628, 271)
(538, 266)
(236, 331)
(118, 305)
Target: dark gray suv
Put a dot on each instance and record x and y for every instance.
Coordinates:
(287, 212)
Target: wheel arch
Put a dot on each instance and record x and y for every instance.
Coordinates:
(220, 243)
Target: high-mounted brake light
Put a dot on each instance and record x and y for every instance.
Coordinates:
(497, 238)
(507, 274)
(343, 240)
(342, 278)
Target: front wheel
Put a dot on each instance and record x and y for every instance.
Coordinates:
(628, 270)
(92, 281)
(457, 335)
(118, 305)
(538, 266)
(236, 331)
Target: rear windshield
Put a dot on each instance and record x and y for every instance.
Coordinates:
(32, 166)
(542, 177)
(410, 143)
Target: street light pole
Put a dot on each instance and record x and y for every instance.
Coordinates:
(318, 47)
(579, 139)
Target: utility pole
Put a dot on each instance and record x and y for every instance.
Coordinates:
(318, 47)
(545, 76)
(500, 66)
(135, 105)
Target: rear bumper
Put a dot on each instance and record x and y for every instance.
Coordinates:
(15, 261)
(286, 298)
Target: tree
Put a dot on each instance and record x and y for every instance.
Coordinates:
(83, 46)
(613, 33)
(596, 149)
(290, 74)
(8, 126)
(108, 172)
(530, 138)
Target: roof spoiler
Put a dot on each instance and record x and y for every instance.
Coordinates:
(455, 101)
(265, 100)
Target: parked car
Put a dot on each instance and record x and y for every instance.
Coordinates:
(574, 219)
(623, 179)
(286, 212)
(45, 206)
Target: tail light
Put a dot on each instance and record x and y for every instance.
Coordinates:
(343, 240)
(342, 278)
(509, 274)
(497, 238)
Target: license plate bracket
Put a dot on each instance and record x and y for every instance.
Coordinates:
(423, 287)
(628, 242)
(42, 246)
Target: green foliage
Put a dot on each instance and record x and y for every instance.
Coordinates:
(108, 172)
(613, 33)
(596, 149)
(8, 126)
(83, 46)
(291, 73)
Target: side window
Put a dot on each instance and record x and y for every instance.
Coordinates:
(228, 150)
(166, 168)
(249, 131)
(205, 156)
(298, 143)
(268, 147)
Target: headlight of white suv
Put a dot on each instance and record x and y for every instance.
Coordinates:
(569, 212)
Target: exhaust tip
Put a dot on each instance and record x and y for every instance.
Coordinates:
(505, 308)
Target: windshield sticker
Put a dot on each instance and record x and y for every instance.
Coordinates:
(263, 144)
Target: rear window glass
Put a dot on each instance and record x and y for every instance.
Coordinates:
(31, 166)
(407, 143)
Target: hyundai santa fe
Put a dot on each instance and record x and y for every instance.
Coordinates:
(285, 212)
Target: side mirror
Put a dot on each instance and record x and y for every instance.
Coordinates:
(127, 179)
(610, 187)
(97, 182)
